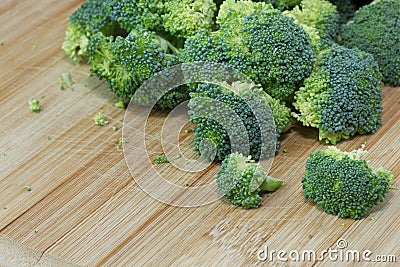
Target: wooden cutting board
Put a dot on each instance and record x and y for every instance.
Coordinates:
(85, 208)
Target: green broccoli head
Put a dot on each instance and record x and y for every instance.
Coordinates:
(184, 18)
(230, 116)
(375, 29)
(343, 95)
(317, 17)
(343, 184)
(126, 63)
(259, 41)
(241, 181)
(90, 18)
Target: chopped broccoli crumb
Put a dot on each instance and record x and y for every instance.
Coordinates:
(28, 188)
(118, 147)
(34, 105)
(161, 159)
(66, 79)
(49, 138)
(99, 119)
(114, 128)
(120, 104)
(34, 47)
(1, 43)
(310, 236)
(285, 150)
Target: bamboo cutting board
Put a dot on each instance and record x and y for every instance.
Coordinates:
(85, 208)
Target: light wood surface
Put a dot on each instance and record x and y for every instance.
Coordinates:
(86, 209)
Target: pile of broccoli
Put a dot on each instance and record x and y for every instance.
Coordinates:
(320, 62)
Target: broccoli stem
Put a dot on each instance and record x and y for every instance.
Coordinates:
(271, 184)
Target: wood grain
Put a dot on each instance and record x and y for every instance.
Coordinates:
(85, 209)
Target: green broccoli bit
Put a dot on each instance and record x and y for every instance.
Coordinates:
(225, 115)
(343, 95)
(343, 184)
(99, 119)
(1, 42)
(241, 181)
(66, 80)
(161, 159)
(375, 29)
(120, 104)
(34, 105)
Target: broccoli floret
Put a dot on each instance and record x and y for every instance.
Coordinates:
(241, 181)
(343, 95)
(343, 184)
(376, 29)
(90, 18)
(184, 18)
(281, 4)
(318, 17)
(161, 159)
(346, 9)
(229, 116)
(262, 43)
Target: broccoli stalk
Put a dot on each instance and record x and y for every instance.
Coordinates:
(242, 181)
(343, 184)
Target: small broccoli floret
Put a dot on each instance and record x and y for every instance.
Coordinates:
(127, 62)
(343, 95)
(319, 17)
(375, 29)
(230, 116)
(34, 105)
(88, 19)
(241, 181)
(259, 41)
(343, 184)
(184, 18)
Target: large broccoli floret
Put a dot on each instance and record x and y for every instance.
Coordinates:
(243, 108)
(184, 18)
(126, 63)
(318, 17)
(259, 41)
(90, 18)
(376, 29)
(343, 95)
(241, 181)
(343, 184)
